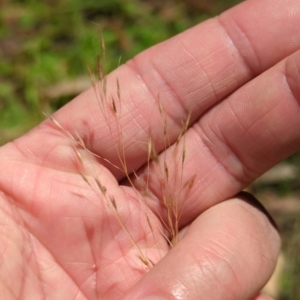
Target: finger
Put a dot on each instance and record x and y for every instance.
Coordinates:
(229, 252)
(192, 71)
(235, 142)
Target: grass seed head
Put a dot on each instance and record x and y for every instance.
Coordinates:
(170, 173)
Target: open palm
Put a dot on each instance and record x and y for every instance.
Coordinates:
(61, 239)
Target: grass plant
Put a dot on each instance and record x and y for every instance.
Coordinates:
(172, 184)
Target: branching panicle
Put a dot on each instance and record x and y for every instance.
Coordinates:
(167, 165)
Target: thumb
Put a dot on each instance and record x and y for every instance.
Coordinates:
(229, 252)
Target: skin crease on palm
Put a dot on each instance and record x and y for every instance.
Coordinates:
(239, 74)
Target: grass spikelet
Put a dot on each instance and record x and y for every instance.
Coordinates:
(149, 223)
(190, 183)
(165, 128)
(80, 140)
(113, 105)
(166, 171)
(118, 89)
(100, 71)
(113, 202)
(101, 187)
(146, 261)
(104, 86)
(160, 107)
(78, 154)
(183, 154)
(57, 124)
(84, 178)
(153, 153)
(187, 122)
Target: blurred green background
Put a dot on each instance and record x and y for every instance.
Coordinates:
(47, 46)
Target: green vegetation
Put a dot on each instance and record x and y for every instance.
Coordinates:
(43, 43)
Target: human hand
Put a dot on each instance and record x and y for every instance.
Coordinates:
(239, 75)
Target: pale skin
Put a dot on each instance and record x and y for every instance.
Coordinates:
(240, 75)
